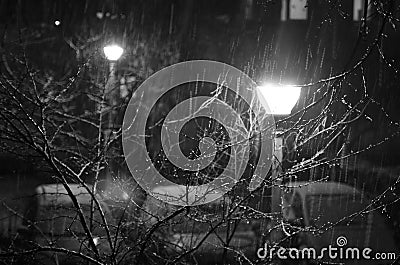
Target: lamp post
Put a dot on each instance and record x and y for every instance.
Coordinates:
(113, 53)
(281, 99)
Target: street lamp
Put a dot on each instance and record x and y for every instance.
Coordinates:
(280, 99)
(113, 52)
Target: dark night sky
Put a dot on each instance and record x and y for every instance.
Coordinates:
(294, 51)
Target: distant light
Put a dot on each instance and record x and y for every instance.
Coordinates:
(113, 52)
(57, 23)
(280, 98)
(96, 240)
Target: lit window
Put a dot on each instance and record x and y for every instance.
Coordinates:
(358, 9)
(295, 9)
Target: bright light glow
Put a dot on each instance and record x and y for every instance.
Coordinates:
(96, 240)
(113, 52)
(280, 98)
(57, 23)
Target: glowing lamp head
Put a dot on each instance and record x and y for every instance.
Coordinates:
(113, 52)
(280, 98)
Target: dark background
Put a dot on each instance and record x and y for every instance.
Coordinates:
(249, 35)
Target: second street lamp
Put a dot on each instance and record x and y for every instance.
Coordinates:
(113, 53)
(109, 103)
